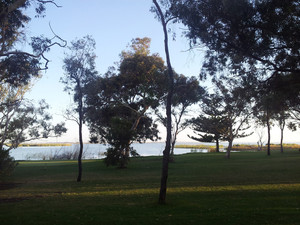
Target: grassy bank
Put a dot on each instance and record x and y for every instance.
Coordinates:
(44, 144)
(242, 147)
(250, 188)
(209, 147)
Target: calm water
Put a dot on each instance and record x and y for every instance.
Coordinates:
(91, 151)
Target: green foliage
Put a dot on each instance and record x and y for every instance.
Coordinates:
(118, 103)
(19, 67)
(21, 121)
(242, 34)
(7, 163)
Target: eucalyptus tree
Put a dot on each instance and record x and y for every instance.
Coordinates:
(241, 34)
(271, 106)
(187, 92)
(22, 121)
(254, 38)
(165, 18)
(17, 67)
(119, 103)
(79, 66)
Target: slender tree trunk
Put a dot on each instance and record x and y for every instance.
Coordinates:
(166, 152)
(281, 139)
(80, 153)
(171, 159)
(229, 149)
(80, 111)
(269, 134)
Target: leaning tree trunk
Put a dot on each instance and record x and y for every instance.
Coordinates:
(80, 138)
(269, 134)
(166, 152)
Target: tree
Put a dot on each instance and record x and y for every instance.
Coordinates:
(79, 66)
(18, 67)
(271, 106)
(211, 125)
(164, 18)
(118, 103)
(281, 119)
(187, 92)
(236, 109)
(21, 121)
(255, 38)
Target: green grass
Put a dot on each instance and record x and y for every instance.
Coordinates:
(250, 188)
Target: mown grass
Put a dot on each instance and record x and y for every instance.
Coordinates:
(250, 188)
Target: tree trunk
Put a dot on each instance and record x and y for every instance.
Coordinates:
(269, 134)
(217, 145)
(229, 149)
(171, 158)
(80, 153)
(281, 139)
(80, 112)
(166, 153)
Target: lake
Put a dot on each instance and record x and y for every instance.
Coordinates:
(90, 151)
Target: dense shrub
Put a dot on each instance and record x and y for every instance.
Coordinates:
(7, 163)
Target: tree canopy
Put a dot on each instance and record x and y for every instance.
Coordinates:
(18, 67)
(118, 102)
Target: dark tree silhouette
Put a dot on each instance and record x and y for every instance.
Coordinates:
(79, 66)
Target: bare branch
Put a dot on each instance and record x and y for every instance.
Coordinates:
(52, 2)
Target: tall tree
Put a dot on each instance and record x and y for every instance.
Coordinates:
(211, 125)
(164, 19)
(187, 92)
(118, 104)
(256, 38)
(79, 65)
(281, 119)
(236, 107)
(20, 120)
(271, 106)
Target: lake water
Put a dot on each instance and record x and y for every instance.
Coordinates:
(91, 151)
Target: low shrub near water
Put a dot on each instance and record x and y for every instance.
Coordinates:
(7, 163)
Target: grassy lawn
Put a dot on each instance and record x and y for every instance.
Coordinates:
(249, 188)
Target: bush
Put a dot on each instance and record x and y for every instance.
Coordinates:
(115, 156)
(7, 163)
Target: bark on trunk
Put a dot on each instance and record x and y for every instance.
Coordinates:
(171, 158)
(80, 153)
(269, 134)
(80, 112)
(217, 145)
(281, 142)
(166, 153)
(229, 149)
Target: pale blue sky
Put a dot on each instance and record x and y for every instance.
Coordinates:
(112, 23)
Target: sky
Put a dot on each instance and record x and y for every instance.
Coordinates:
(113, 24)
